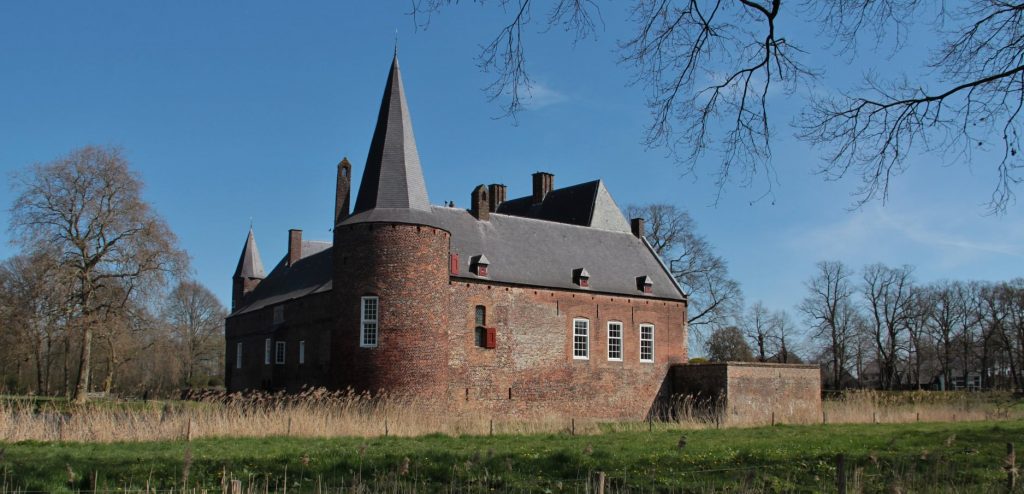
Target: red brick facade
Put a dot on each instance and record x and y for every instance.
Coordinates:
(428, 344)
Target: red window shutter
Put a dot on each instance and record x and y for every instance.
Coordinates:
(482, 270)
(492, 338)
(454, 267)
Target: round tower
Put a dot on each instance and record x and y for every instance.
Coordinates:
(391, 286)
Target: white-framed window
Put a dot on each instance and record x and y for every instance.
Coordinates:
(615, 341)
(368, 327)
(647, 343)
(279, 314)
(279, 353)
(581, 339)
(266, 351)
(238, 355)
(302, 351)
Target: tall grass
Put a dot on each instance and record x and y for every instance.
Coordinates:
(321, 413)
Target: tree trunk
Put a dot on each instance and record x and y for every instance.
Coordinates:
(82, 388)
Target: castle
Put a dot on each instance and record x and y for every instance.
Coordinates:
(549, 303)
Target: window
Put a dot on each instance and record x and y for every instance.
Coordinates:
(238, 355)
(480, 333)
(646, 343)
(279, 353)
(266, 352)
(302, 351)
(615, 341)
(278, 314)
(581, 339)
(368, 328)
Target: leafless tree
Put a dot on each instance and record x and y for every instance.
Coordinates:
(709, 67)
(888, 296)
(196, 319)
(785, 337)
(715, 299)
(758, 327)
(88, 206)
(829, 309)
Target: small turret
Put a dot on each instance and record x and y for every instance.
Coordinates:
(249, 272)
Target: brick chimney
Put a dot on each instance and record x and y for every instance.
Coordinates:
(294, 246)
(499, 194)
(342, 192)
(543, 182)
(637, 226)
(480, 206)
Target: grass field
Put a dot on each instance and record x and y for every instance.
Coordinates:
(916, 457)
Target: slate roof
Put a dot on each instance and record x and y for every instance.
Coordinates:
(393, 177)
(586, 204)
(534, 252)
(312, 273)
(249, 264)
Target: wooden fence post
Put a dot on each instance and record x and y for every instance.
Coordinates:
(773, 418)
(289, 433)
(841, 473)
(599, 481)
(188, 430)
(1011, 468)
(492, 427)
(236, 486)
(386, 431)
(572, 427)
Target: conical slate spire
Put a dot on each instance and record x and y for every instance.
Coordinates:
(393, 177)
(250, 265)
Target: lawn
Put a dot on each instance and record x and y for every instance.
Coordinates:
(960, 457)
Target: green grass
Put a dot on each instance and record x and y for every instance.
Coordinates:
(965, 457)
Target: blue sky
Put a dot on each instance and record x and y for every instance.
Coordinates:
(239, 110)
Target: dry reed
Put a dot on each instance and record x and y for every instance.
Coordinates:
(321, 413)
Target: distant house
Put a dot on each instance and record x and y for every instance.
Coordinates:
(549, 302)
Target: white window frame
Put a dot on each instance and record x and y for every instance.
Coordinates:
(266, 351)
(302, 352)
(614, 338)
(649, 341)
(280, 352)
(586, 338)
(366, 322)
(238, 355)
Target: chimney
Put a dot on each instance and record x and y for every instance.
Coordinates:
(341, 193)
(637, 226)
(499, 194)
(543, 182)
(294, 246)
(480, 206)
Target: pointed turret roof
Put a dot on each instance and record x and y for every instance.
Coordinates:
(393, 177)
(250, 265)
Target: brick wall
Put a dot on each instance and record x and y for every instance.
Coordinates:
(533, 360)
(406, 266)
(308, 319)
(754, 391)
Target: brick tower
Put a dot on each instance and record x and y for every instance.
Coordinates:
(390, 269)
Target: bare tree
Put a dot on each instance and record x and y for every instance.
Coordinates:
(785, 337)
(88, 206)
(33, 306)
(714, 298)
(829, 309)
(758, 327)
(709, 66)
(196, 319)
(888, 294)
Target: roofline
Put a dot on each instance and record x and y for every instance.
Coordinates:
(668, 272)
(567, 290)
(245, 310)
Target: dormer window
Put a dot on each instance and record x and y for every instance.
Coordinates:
(644, 284)
(581, 277)
(479, 265)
